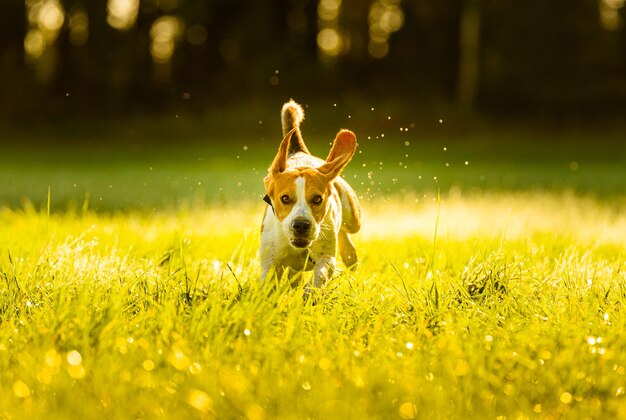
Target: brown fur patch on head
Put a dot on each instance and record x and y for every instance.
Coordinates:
(280, 160)
(281, 189)
(280, 183)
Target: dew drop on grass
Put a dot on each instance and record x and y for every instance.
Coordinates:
(566, 398)
(74, 358)
(199, 400)
(408, 410)
(52, 359)
(148, 365)
(20, 389)
(306, 386)
(195, 368)
(44, 377)
(325, 364)
(409, 345)
(246, 332)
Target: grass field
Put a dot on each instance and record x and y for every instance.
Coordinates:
(130, 290)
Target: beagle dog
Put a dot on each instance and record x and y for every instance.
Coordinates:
(311, 210)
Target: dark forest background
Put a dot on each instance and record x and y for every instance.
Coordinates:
(69, 58)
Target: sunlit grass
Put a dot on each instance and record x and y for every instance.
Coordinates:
(515, 309)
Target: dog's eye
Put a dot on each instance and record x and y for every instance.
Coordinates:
(317, 199)
(284, 199)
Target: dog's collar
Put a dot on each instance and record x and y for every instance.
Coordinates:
(268, 200)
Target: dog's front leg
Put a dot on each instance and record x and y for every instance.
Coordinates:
(323, 271)
(268, 267)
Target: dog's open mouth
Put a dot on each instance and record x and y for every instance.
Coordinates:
(300, 242)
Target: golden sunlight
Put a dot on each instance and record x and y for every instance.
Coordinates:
(34, 44)
(164, 32)
(329, 41)
(329, 38)
(122, 13)
(385, 18)
(45, 20)
(79, 27)
(609, 14)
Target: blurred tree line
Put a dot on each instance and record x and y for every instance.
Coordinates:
(61, 58)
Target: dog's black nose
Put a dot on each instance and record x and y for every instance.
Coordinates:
(301, 226)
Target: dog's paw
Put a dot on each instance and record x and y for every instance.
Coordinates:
(313, 295)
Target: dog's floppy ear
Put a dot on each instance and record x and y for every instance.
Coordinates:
(280, 161)
(340, 154)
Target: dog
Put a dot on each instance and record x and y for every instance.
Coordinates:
(311, 210)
